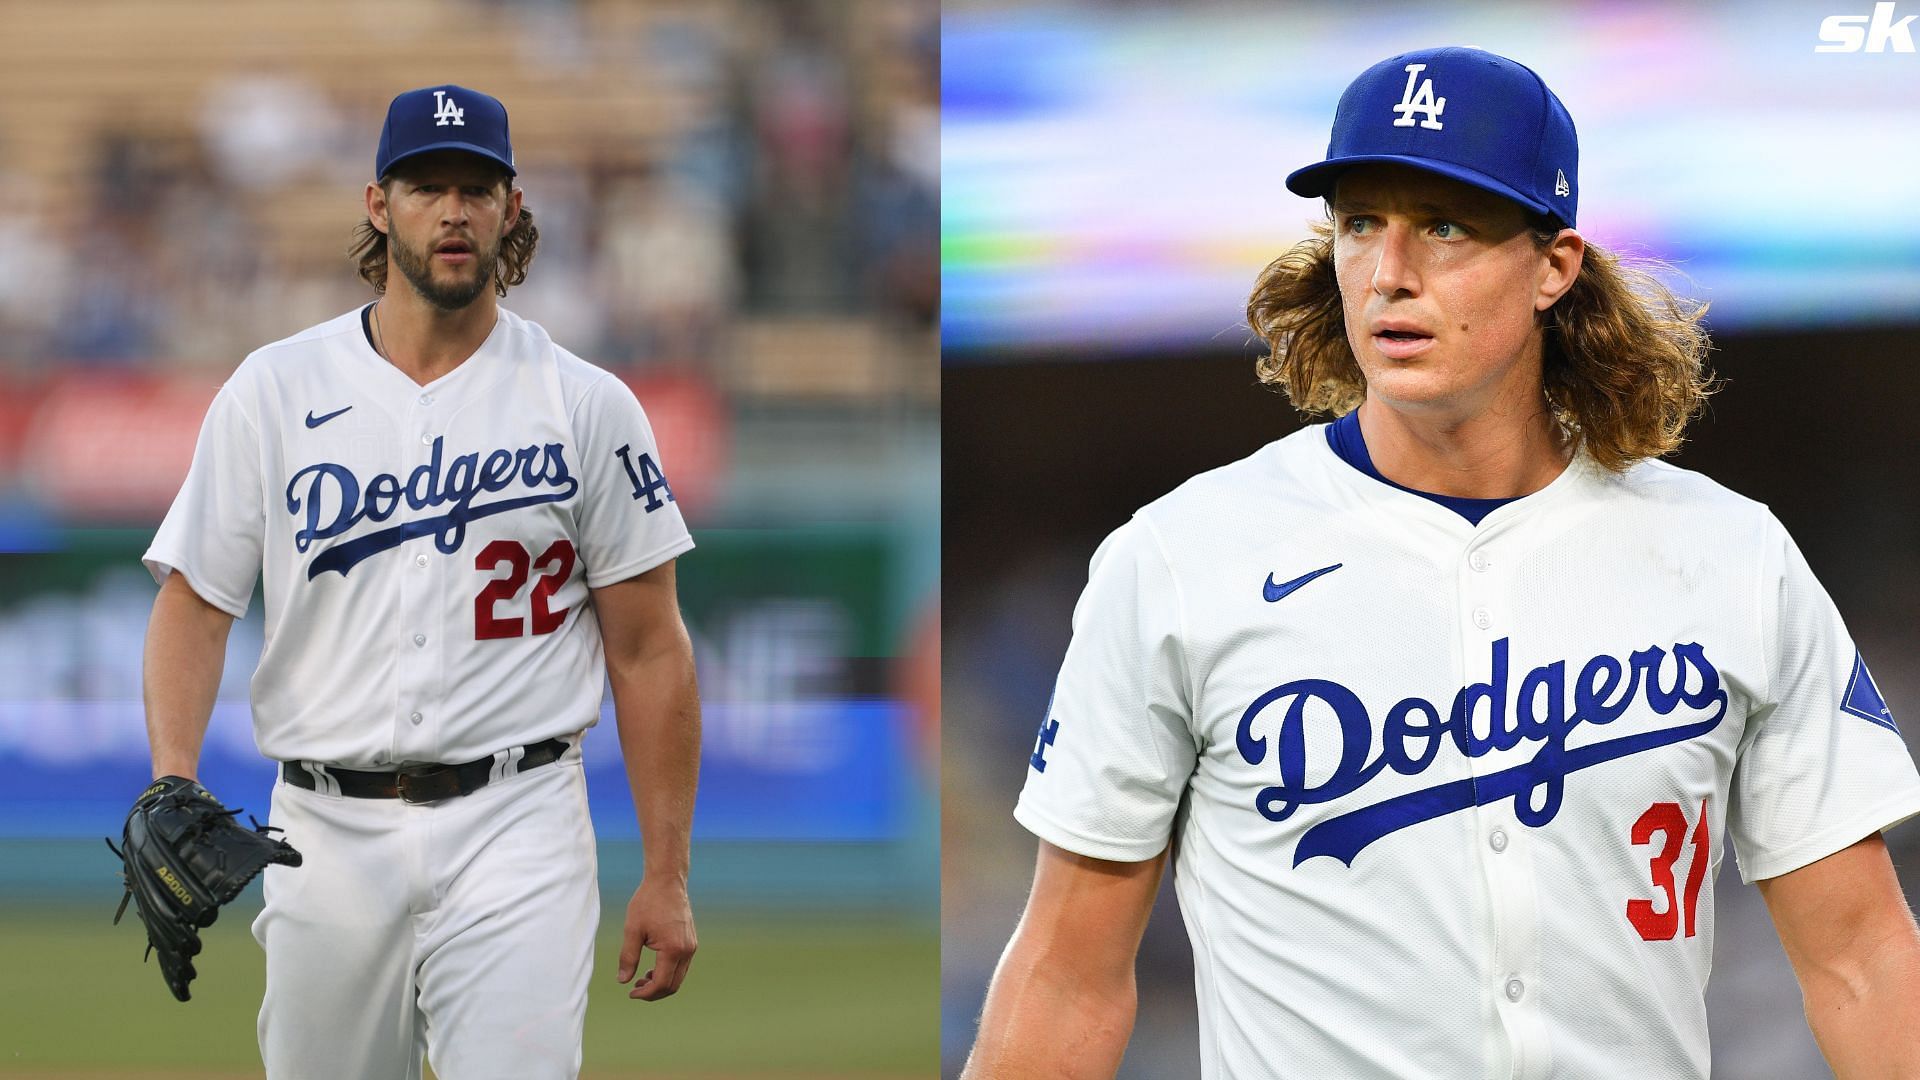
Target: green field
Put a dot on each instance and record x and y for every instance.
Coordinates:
(776, 997)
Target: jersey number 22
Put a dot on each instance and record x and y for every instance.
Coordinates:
(487, 621)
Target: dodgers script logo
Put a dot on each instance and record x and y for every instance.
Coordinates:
(333, 500)
(1413, 730)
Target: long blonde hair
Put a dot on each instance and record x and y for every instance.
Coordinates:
(1626, 358)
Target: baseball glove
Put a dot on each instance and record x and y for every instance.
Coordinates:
(183, 856)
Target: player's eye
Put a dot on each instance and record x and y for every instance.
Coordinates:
(1449, 230)
(1359, 225)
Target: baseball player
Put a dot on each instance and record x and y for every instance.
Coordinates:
(462, 530)
(1445, 711)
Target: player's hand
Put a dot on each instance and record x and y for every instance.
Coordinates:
(658, 918)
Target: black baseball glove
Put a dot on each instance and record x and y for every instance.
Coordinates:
(183, 856)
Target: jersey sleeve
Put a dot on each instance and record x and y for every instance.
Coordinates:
(215, 528)
(629, 521)
(1822, 764)
(1115, 749)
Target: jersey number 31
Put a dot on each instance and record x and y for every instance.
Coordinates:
(1669, 821)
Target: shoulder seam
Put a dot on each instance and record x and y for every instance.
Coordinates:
(311, 333)
(239, 408)
(573, 411)
(1180, 622)
(1769, 650)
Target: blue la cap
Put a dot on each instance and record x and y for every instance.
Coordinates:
(1463, 113)
(443, 118)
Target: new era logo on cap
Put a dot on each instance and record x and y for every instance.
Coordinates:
(1463, 113)
(444, 118)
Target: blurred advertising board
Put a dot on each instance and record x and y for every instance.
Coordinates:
(1112, 175)
(111, 447)
(803, 738)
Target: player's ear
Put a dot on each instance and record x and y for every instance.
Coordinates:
(377, 205)
(1564, 254)
(512, 217)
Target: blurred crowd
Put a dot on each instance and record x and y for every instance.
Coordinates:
(794, 172)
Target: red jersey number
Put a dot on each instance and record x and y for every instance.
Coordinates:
(1681, 904)
(488, 624)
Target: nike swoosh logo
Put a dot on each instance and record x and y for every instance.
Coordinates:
(1279, 592)
(315, 421)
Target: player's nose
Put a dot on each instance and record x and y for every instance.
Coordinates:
(454, 208)
(1394, 272)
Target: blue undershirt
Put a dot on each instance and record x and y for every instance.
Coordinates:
(1343, 435)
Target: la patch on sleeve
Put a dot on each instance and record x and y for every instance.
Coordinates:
(1049, 730)
(1863, 699)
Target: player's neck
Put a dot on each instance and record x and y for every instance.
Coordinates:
(426, 342)
(1493, 454)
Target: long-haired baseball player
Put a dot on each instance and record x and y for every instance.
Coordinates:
(462, 531)
(1446, 711)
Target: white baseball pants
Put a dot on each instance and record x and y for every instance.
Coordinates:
(461, 929)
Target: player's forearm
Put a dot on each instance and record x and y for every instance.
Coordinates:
(656, 704)
(1867, 1019)
(186, 650)
(1047, 1020)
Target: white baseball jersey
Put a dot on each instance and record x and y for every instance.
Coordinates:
(1447, 801)
(426, 550)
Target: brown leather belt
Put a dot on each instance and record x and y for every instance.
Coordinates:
(421, 783)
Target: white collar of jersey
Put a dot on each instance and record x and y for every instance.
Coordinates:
(1347, 484)
(490, 346)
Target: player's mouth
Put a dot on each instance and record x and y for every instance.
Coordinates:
(1398, 342)
(454, 252)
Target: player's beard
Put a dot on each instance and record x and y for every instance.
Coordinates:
(416, 266)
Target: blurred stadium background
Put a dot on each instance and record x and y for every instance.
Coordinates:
(738, 202)
(1111, 186)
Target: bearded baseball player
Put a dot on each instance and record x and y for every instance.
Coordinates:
(1446, 710)
(462, 531)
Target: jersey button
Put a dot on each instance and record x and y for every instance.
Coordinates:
(1482, 618)
(416, 718)
(1515, 988)
(419, 639)
(1479, 561)
(1497, 840)
(426, 439)
(419, 560)
(426, 399)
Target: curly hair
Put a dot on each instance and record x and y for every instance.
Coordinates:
(1625, 365)
(369, 251)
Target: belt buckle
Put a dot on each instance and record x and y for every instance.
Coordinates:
(427, 785)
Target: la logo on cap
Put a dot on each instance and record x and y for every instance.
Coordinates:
(1421, 102)
(448, 113)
